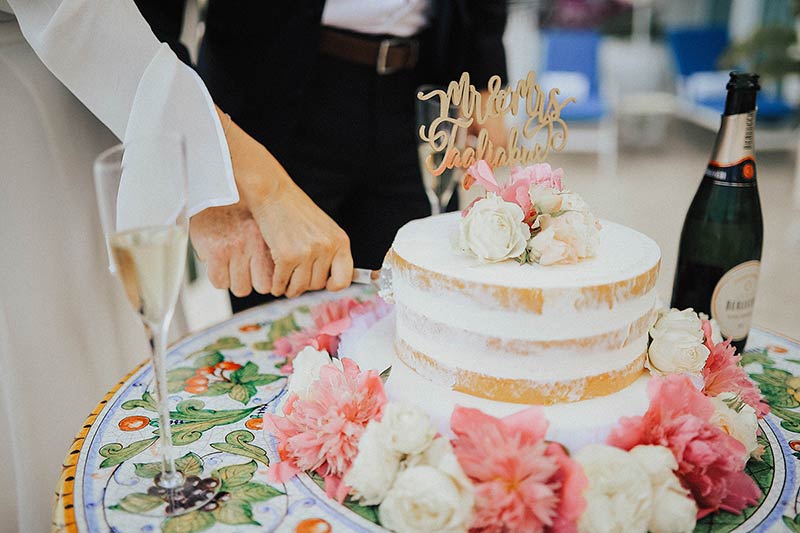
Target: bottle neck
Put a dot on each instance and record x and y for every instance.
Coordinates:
(733, 157)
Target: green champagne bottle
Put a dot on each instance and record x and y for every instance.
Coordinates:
(720, 247)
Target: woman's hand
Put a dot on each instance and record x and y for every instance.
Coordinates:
(228, 239)
(276, 230)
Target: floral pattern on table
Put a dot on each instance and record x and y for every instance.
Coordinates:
(224, 379)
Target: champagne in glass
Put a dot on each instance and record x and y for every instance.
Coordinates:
(142, 194)
(439, 189)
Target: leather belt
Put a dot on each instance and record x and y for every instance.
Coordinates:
(388, 55)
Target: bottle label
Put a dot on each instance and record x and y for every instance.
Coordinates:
(733, 160)
(733, 299)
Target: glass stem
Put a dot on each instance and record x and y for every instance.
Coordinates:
(170, 477)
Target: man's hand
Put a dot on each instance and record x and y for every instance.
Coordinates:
(228, 239)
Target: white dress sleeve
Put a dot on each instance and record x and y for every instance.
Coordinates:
(104, 52)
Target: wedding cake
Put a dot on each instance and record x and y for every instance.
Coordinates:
(524, 378)
(502, 336)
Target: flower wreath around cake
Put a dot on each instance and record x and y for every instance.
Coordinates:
(682, 459)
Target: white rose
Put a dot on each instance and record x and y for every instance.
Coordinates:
(619, 496)
(375, 467)
(571, 201)
(677, 320)
(408, 429)
(673, 509)
(742, 425)
(494, 230)
(676, 351)
(307, 366)
(433, 495)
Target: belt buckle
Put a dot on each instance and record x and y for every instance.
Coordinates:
(383, 54)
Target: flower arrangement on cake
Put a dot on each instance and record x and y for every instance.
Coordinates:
(531, 218)
(681, 460)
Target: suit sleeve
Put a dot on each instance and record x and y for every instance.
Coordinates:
(104, 52)
(486, 55)
(166, 21)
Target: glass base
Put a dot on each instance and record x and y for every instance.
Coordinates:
(190, 494)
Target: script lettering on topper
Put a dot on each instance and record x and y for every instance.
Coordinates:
(543, 115)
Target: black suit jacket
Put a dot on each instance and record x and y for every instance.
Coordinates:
(258, 55)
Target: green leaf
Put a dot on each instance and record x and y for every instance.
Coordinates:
(255, 492)
(262, 346)
(235, 513)
(223, 343)
(198, 420)
(385, 374)
(242, 393)
(190, 464)
(792, 524)
(235, 475)
(189, 522)
(370, 512)
(757, 356)
(249, 369)
(261, 379)
(248, 374)
(280, 328)
(147, 402)
(182, 373)
(218, 388)
(138, 503)
(115, 453)
(147, 470)
(238, 443)
(212, 359)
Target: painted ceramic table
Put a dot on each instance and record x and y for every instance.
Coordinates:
(222, 381)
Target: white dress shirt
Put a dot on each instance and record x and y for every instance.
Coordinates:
(104, 52)
(402, 18)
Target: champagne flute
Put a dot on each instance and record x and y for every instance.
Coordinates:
(142, 194)
(439, 189)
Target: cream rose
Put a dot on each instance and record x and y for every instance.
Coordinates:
(673, 509)
(432, 495)
(307, 366)
(676, 351)
(375, 467)
(565, 238)
(545, 199)
(619, 496)
(494, 230)
(670, 320)
(407, 429)
(742, 425)
(545, 249)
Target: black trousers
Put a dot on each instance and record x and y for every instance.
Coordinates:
(355, 154)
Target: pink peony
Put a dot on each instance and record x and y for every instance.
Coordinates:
(710, 462)
(514, 191)
(331, 319)
(724, 373)
(540, 174)
(522, 482)
(291, 345)
(322, 432)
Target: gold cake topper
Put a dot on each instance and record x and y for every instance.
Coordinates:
(543, 114)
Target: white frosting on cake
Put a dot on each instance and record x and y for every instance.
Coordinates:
(572, 424)
(562, 332)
